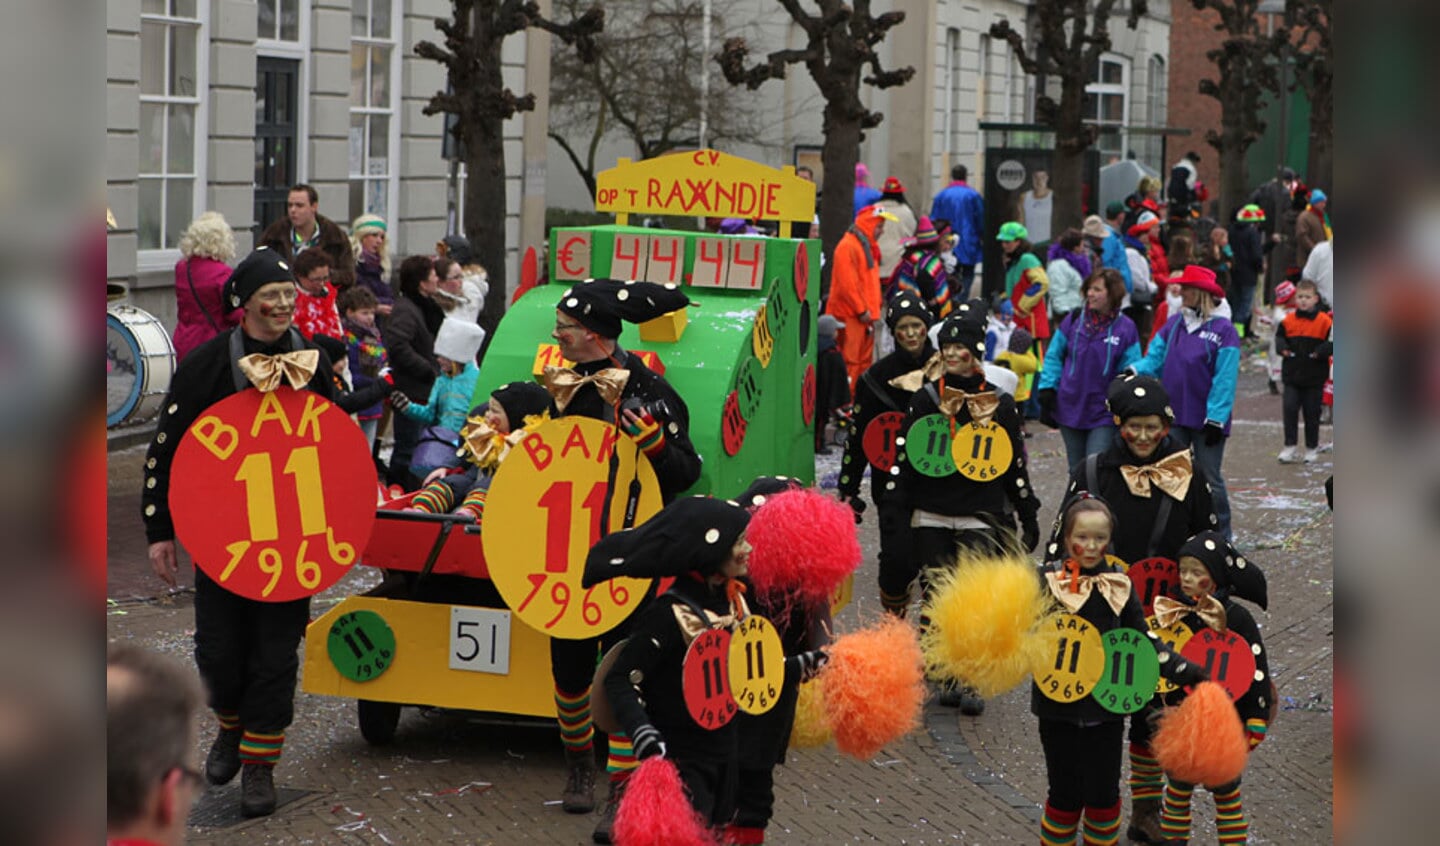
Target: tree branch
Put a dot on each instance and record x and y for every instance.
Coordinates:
(1028, 62)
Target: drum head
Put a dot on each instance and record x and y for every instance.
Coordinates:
(122, 371)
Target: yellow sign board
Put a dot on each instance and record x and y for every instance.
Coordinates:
(705, 183)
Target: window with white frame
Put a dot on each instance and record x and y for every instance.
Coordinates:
(171, 133)
(952, 91)
(1107, 103)
(278, 20)
(982, 80)
(373, 126)
(1157, 83)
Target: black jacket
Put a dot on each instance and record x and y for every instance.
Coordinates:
(410, 341)
(678, 465)
(1136, 518)
(874, 396)
(206, 376)
(1307, 337)
(1249, 253)
(645, 684)
(956, 495)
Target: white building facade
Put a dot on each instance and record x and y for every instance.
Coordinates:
(223, 104)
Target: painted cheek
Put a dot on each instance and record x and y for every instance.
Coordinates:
(1128, 436)
(1077, 548)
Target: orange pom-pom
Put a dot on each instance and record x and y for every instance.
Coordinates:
(1202, 741)
(804, 546)
(874, 686)
(655, 812)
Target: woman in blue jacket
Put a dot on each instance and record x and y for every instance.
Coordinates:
(1196, 354)
(1091, 347)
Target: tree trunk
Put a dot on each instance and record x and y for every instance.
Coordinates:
(837, 195)
(1072, 139)
(485, 209)
(1234, 177)
(1321, 169)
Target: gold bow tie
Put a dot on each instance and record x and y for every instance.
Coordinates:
(1073, 591)
(1171, 474)
(1169, 611)
(691, 626)
(486, 448)
(910, 382)
(266, 371)
(982, 405)
(562, 383)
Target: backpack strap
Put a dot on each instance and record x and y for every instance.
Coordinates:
(879, 391)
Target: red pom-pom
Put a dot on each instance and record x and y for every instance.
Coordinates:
(874, 686)
(804, 546)
(1203, 740)
(654, 810)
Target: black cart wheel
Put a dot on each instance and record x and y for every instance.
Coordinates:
(378, 721)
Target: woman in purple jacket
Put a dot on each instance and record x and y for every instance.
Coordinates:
(205, 247)
(1091, 347)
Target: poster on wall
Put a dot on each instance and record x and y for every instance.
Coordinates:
(1018, 187)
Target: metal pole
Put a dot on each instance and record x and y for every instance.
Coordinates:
(705, 75)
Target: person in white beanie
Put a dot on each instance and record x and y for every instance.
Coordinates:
(456, 346)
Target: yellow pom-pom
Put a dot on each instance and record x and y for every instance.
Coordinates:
(812, 725)
(984, 621)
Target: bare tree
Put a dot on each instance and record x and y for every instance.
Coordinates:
(1245, 74)
(1067, 46)
(1315, 74)
(840, 44)
(643, 86)
(481, 103)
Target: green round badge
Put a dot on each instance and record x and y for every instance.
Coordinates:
(927, 446)
(1131, 671)
(361, 645)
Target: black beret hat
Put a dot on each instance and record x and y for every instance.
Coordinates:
(600, 304)
(1232, 572)
(333, 347)
(520, 400)
(259, 269)
(765, 487)
(965, 330)
(696, 533)
(906, 304)
(1137, 396)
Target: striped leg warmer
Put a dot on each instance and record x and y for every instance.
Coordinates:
(1175, 814)
(1230, 820)
(1147, 780)
(1058, 827)
(572, 710)
(261, 748)
(1102, 826)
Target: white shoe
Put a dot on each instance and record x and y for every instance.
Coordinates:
(1312, 456)
(1288, 455)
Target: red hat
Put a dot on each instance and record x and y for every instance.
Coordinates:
(1284, 292)
(1143, 224)
(1195, 276)
(892, 186)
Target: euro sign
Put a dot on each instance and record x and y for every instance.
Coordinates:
(568, 263)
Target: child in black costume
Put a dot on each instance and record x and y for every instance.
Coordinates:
(1082, 740)
(1212, 576)
(877, 393)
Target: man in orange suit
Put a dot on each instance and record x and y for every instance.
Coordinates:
(855, 288)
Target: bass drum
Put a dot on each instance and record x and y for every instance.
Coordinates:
(139, 361)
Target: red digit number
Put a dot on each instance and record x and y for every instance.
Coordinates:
(537, 580)
(556, 500)
(560, 595)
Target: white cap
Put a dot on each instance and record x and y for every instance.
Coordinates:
(459, 340)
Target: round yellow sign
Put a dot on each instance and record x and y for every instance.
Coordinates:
(762, 341)
(544, 512)
(757, 665)
(1175, 636)
(982, 452)
(1071, 662)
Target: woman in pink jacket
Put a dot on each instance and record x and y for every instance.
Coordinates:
(205, 247)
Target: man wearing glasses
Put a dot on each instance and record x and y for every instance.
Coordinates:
(150, 705)
(611, 384)
(245, 649)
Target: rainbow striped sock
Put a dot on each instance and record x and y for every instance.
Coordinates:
(1147, 780)
(897, 605)
(1175, 813)
(621, 760)
(1057, 827)
(474, 503)
(1102, 826)
(261, 747)
(436, 498)
(1230, 821)
(229, 720)
(572, 711)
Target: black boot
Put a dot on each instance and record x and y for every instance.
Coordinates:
(606, 824)
(223, 762)
(257, 791)
(579, 795)
(1145, 822)
(971, 703)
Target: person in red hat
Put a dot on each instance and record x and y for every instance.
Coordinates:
(896, 235)
(1196, 354)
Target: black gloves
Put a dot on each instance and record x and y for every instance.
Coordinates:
(1030, 531)
(647, 741)
(1187, 673)
(1047, 408)
(398, 400)
(807, 664)
(857, 505)
(1214, 433)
